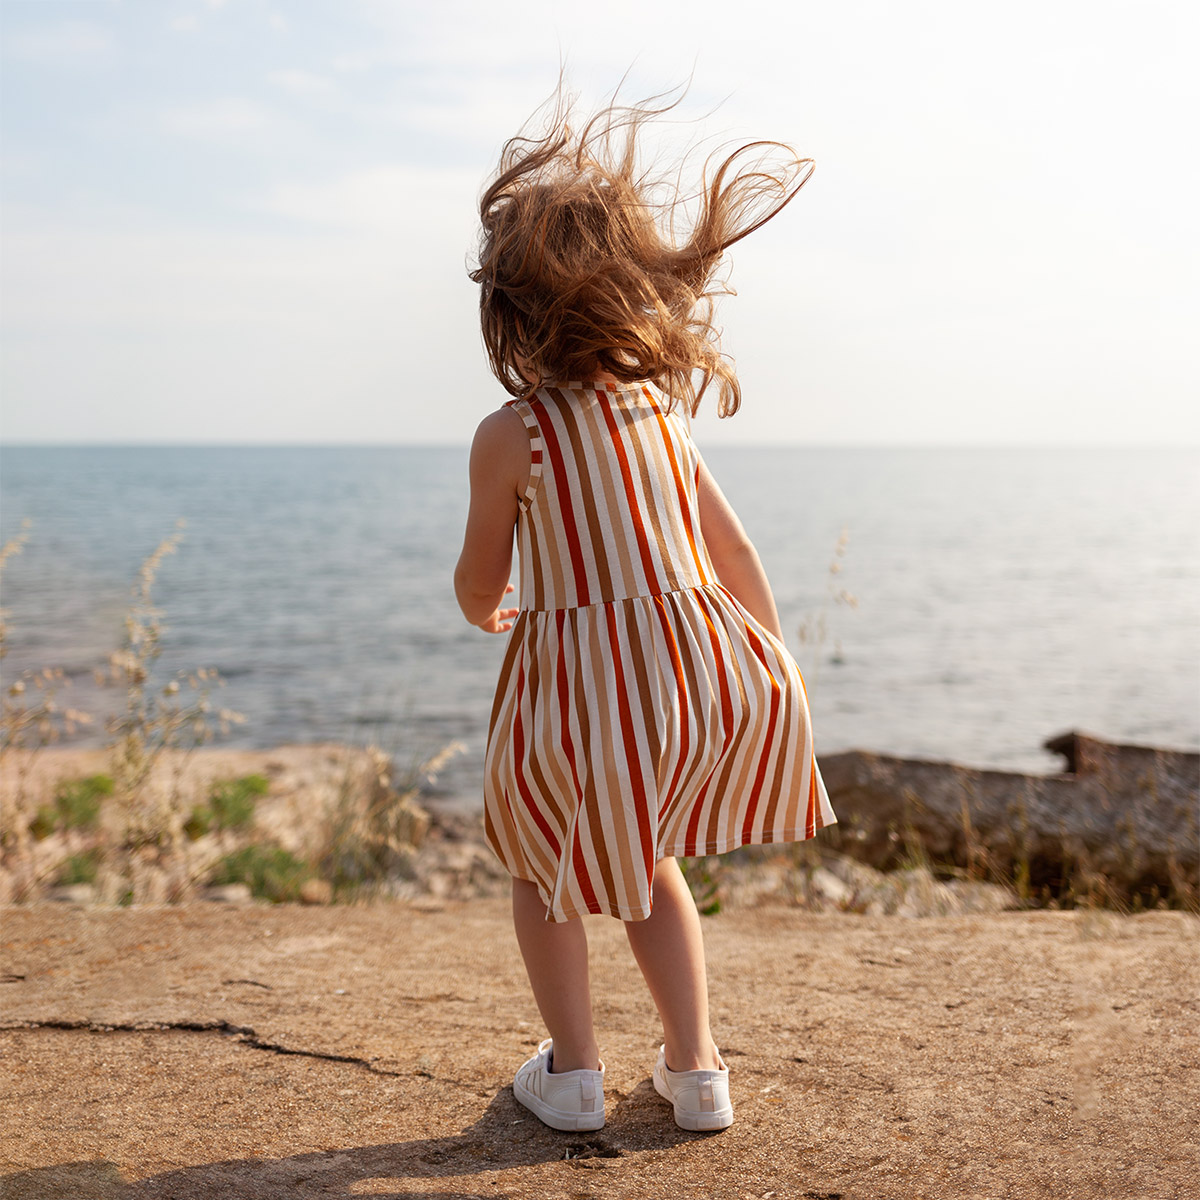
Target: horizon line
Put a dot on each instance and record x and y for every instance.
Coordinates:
(465, 445)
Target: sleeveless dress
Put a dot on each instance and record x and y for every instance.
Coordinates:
(641, 711)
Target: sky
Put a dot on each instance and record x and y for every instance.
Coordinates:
(250, 221)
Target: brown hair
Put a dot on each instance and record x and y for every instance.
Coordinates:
(579, 270)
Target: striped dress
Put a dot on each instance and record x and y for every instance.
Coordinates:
(641, 711)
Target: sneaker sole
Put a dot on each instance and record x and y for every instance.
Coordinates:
(566, 1122)
(696, 1122)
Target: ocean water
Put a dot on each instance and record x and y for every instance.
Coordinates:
(1002, 596)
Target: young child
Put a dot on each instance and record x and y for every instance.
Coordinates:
(647, 707)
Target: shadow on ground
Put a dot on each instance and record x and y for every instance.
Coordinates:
(505, 1136)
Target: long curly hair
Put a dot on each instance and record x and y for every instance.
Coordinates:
(580, 269)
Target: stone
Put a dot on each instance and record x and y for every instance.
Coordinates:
(316, 891)
(829, 887)
(74, 893)
(229, 893)
(1122, 819)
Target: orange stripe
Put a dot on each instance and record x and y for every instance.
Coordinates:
(631, 497)
(769, 740)
(685, 506)
(726, 723)
(570, 529)
(585, 796)
(530, 804)
(681, 693)
(629, 741)
(594, 551)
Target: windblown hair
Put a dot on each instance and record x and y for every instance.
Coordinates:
(580, 271)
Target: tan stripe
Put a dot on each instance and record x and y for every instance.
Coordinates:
(642, 662)
(688, 458)
(537, 848)
(726, 807)
(776, 752)
(701, 739)
(708, 747)
(550, 560)
(789, 803)
(576, 718)
(559, 787)
(607, 485)
(611, 835)
(688, 571)
(599, 867)
(547, 562)
(567, 420)
(626, 818)
(655, 516)
(508, 676)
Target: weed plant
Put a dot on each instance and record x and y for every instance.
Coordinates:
(32, 716)
(157, 716)
(815, 629)
(270, 872)
(230, 805)
(374, 824)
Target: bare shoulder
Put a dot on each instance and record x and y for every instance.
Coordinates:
(500, 454)
(499, 433)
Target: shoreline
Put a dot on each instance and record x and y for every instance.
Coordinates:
(322, 803)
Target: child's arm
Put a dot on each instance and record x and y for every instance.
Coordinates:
(733, 554)
(499, 466)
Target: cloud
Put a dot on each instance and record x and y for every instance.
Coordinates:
(185, 24)
(62, 44)
(302, 83)
(352, 63)
(389, 199)
(219, 120)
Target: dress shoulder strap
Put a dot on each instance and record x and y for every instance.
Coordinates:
(524, 409)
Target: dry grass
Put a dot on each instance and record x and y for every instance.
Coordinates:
(816, 629)
(148, 829)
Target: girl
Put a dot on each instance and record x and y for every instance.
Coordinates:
(647, 707)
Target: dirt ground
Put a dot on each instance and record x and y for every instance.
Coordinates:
(242, 1052)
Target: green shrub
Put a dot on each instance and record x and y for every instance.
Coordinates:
(230, 806)
(44, 823)
(80, 868)
(233, 802)
(704, 884)
(78, 802)
(199, 823)
(270, 872)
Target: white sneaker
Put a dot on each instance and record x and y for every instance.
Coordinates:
(700, 1098)
(569, 1100)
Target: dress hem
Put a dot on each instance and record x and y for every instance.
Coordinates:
(563, 913)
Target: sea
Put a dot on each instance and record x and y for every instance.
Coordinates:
(952, 604)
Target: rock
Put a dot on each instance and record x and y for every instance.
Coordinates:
(829, 887)
(73, 893)
(1124, 820)
(316, 891)
(971, 896)
(229, 893)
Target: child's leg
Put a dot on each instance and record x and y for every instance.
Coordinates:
(669, 948)
(556, 960)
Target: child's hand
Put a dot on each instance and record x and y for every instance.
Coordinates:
(501, 620)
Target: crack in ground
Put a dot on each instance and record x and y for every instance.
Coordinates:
(244, 1035)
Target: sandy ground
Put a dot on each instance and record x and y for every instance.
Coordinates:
(219, 1051)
